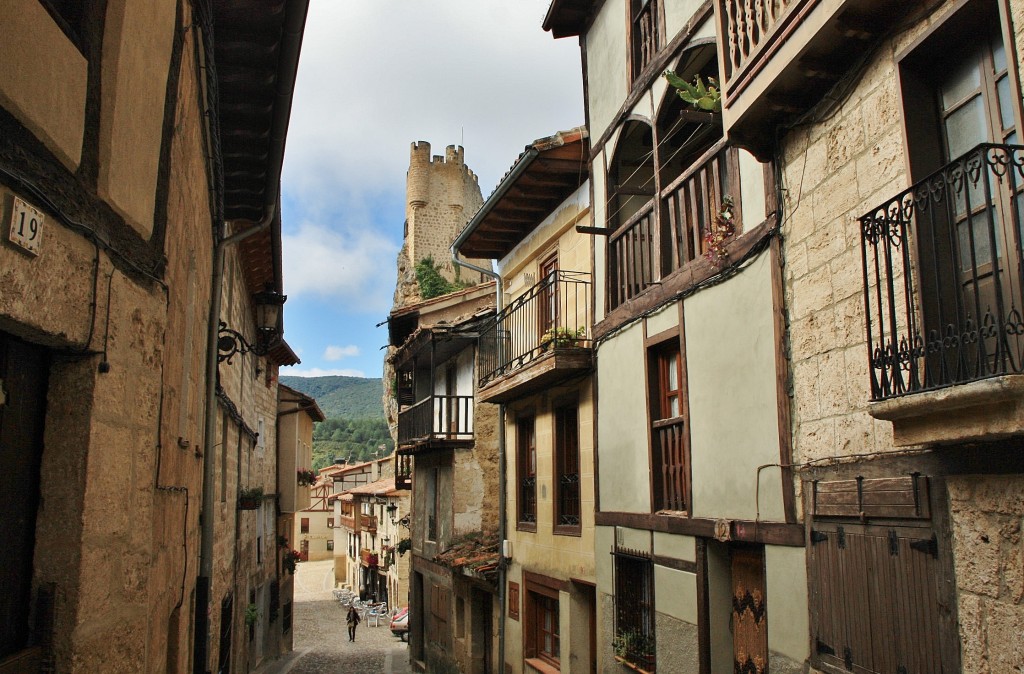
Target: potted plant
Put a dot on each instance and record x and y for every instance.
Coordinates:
(306, 477)
(290, 559)
(560, 337)
(250, 499)
(404, 546)
(633, 648)
(252, 614)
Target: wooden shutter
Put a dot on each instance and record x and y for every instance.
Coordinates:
(874, 598)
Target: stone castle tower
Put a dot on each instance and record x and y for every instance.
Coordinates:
(441, 195)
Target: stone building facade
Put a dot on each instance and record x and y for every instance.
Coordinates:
(112, 228)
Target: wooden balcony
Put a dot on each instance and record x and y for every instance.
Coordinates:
(435, 422)
(368, 523)
(540, 339)
(347, 522)
(780, 56)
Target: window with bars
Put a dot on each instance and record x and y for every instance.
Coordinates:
(634, 608)
(431, 502)
(670, 453)
(567, 470)
(526, 460)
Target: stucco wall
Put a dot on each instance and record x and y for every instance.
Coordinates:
(730, 362)
(606, 65)
(623, 473)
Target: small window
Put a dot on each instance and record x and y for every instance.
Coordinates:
(330, 544)
(526, 446)
(669, 434)
(261, 439)
(567, 470)
(304, 525)
(541, 624)
(330, 522)
(644, 34)
(634, 608)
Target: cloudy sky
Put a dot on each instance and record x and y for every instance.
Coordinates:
(374, 77)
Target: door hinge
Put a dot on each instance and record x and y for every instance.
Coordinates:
(841, 537)
(930, 546)
(818, 536)
(894, 543)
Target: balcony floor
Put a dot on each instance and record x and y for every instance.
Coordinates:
(559, 364)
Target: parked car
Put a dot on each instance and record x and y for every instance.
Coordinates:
(400, 624)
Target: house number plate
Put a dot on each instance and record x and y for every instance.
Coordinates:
(26, 226)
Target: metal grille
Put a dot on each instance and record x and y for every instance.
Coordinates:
(942, 276)
(634, 608)
(568, 464)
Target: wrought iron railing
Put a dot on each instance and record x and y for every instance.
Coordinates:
(942, 273)
(554, 313)
(436, 417)
(670, 456)
(647, 247)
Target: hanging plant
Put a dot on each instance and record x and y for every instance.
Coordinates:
(722, 230)
(252, 614)
(306, 477)
(250, 499)
(290, 559)
(404, 545)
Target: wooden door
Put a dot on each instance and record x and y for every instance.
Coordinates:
(23, 383)
(749, 611)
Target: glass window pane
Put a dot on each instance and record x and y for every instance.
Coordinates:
(998, 54)
(964, 78)
(673, 404)
(965, 128)
(673, 372)
(1005, 102)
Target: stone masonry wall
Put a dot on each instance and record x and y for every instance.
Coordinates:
(834, 171)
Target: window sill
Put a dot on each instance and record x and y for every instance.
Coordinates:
(542, 666)
(565, 530)
(527, 526)
(626, 663)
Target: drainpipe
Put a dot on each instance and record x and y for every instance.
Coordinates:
(501, 456)
(203, 582)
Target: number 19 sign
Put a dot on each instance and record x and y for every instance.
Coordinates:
(26, 226)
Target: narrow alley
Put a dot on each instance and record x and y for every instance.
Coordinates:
(321, 645)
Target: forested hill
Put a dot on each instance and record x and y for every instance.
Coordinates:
(347, 397)
(355, 427)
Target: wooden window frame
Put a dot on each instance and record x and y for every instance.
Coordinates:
(541, 602)
(566, 450)
(304, 525)
(671, 479)
(548, 319)
(526, 497)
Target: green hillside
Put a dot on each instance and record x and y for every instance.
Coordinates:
(346, 397)
(355, 427)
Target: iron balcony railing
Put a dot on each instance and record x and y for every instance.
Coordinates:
(437, 417)
(554, 313)
(942, 273)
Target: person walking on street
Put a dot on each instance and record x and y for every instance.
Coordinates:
(352, 619)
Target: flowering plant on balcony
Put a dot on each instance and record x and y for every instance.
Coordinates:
(291, 557)
(250, 499)
(306, 477)
(721, 231)
(562, 337)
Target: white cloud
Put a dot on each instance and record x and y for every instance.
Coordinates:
(354, 267)
(320, 372)
(339, 352)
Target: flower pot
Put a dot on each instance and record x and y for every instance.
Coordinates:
(248, 503)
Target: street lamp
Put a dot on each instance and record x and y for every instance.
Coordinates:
(268, 311)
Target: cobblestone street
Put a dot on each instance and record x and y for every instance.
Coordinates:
(321, 642)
